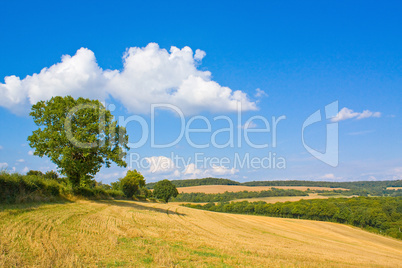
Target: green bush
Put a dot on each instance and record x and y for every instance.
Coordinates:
(51, 175)
(19, 188)
(115, 193)
(131, 183)
(152, 199)
(83, 191)
(35, 173)
(95, 192)
(145, 192)
(141, 197)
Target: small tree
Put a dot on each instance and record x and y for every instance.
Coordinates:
(35, 173)
(164, 190)
(78, 135)
(51, 175)
(116, 185)
(131, 183)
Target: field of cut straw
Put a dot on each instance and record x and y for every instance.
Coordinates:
(215, 189)
(135, 234)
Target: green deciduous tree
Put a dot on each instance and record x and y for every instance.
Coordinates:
(78, 135)
(164, 190)
(35, 173)
(51, 175)
(131, 183)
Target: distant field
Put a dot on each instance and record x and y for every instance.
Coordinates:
(215, 189)
(271, 200)
(275, 199)
(394, 188)
(134, 234)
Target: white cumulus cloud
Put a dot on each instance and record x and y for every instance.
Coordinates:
(214, 170)
(346, 113)
(199, 54)
(150, 75)
(160, 164)
(3, 165)
(260, 93)
(78, 76)
(173, 169)
(191, 169)
(221, 170)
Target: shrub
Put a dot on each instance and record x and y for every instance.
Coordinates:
(115, 193)
(131, 183)
(83, 191)
(51, 175)
(152, 199)
(35, 173)
(145, 192)
(19, 188)
(95, 192)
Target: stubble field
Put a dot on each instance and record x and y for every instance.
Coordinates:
(135, 234)
(216, 189)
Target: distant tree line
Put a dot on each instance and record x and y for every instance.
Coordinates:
(360, 188)
(227, 196)
(360, 192)
(330, 184)
(378, 214)
(198, 182)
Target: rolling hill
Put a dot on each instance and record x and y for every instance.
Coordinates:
(127, 234)
(215, 189)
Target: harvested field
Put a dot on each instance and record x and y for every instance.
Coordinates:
(394, 188)
(135, 234)
(215, 189)
(275, 199)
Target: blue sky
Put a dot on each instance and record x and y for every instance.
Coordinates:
(301, 56)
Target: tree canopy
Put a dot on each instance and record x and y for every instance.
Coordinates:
(164, 190)
(227, 196)
(131, 183)
(78, 135)
(197, 182)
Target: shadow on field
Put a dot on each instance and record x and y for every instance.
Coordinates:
(28, 206)
(140, 207)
